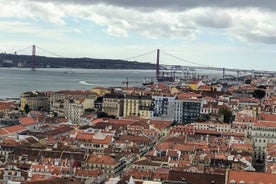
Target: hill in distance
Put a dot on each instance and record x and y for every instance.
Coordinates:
(25, 61)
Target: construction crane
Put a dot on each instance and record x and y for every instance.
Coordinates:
(128, 82)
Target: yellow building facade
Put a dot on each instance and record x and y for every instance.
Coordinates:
(35, 101)
(138, 106)
(113, 104)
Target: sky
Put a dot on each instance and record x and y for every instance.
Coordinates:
(219, 33)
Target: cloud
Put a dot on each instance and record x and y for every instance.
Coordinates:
(248, 20)
(212, 18)
(178, 5)
(26, 28)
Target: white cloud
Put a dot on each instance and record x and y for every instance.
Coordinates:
(240, 20)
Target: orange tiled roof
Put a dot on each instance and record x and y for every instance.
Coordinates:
(11, 129)
(99, 120)
(247, 147)
(27, 121)
(6, 105)
(265, 124)
(90, 173)
(160, 124)
(121, 121)
(93, 138)
(194, 82)
(251, 177)
(205, 87)
(101, 159)
(267, 117)
(177, 146)
(187, 95)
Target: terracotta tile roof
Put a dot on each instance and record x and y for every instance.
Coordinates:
(251, 177)
(147, 162)
(207, 132)
(84, 136)
(271, 150)
(221, 156)
(195, 178)
(267, 117)
(179, 163)
(248, 100)
(188, 95)
(178, 139)
(89, 173)
(245, 147)
(265, 124)
(6, 105)
(160, 124)
(62, 120)
(121, 121)
(204, 87)
(40, 179)
(133, 118)
(98, 120)
(94, 138)
(27, 121)
(101, 159)
(12, 129)
(175, 146)
(76, 92)
(3, 131)
(194, 82)
(9, 141)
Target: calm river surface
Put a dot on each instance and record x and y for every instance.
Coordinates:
(14, 81)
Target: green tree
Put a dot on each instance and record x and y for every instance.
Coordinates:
(227, 114)
(27, 108)
(102, 115)
(259, 93)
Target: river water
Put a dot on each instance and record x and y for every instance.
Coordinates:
(14, 81)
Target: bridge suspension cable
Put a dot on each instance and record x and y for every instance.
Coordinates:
(49, 52)
(185, 60)
(21, 50)
(140, 55)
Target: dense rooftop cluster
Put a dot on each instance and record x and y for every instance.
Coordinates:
(193, 133)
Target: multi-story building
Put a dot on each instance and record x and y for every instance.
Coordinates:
(135, 105)
(215, 126)
(270, 164)
(131, 105)
(145, 107)
(163, 106)
(95, 142)
(186, 111)
(74, 109)
(113, 104)
(35, 101)
(262, 133)
(110, 166)
(57, 99)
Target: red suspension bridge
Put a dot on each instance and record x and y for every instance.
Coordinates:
(187, 64)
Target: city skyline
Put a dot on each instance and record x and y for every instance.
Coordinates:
(216, 33)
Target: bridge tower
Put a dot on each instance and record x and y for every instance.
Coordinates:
(33, 58)
(223, 73)
(157, 64)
